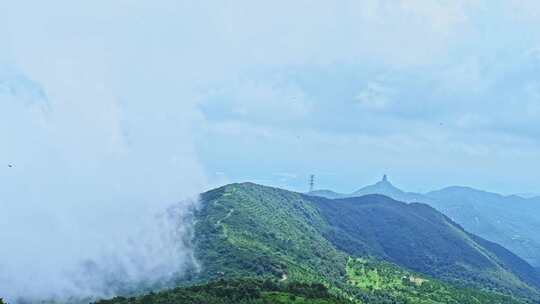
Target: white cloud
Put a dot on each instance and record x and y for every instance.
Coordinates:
(82, 191)
(92, 170)
(268, 101)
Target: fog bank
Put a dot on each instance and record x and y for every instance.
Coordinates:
(87, 185)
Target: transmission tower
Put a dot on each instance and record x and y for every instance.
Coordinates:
(311, 182)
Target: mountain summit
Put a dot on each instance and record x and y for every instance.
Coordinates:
(384, 187)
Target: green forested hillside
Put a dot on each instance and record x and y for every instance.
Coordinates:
(508, 220)
(238, 292)
(511, 221)
(418, 237)
(247, 230)
(374, 283)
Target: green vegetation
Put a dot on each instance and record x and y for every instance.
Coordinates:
(248, 235)
(511, 221)
(418, 237)
(247, 230)
(238, 292)
(243, 231)
(387, 280)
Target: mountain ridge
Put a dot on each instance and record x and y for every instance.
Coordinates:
(259, 244)
(509, 220)
(248, 229)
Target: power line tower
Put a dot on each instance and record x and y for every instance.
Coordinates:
(311, 182)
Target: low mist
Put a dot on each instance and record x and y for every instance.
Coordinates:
(95, 193)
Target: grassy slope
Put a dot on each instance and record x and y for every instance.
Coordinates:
(250, 230)
(402, 286)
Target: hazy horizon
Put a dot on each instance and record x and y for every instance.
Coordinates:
(318, 186)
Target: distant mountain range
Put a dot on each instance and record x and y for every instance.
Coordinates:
(512, 221)
(529, 195)
(383, 187)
